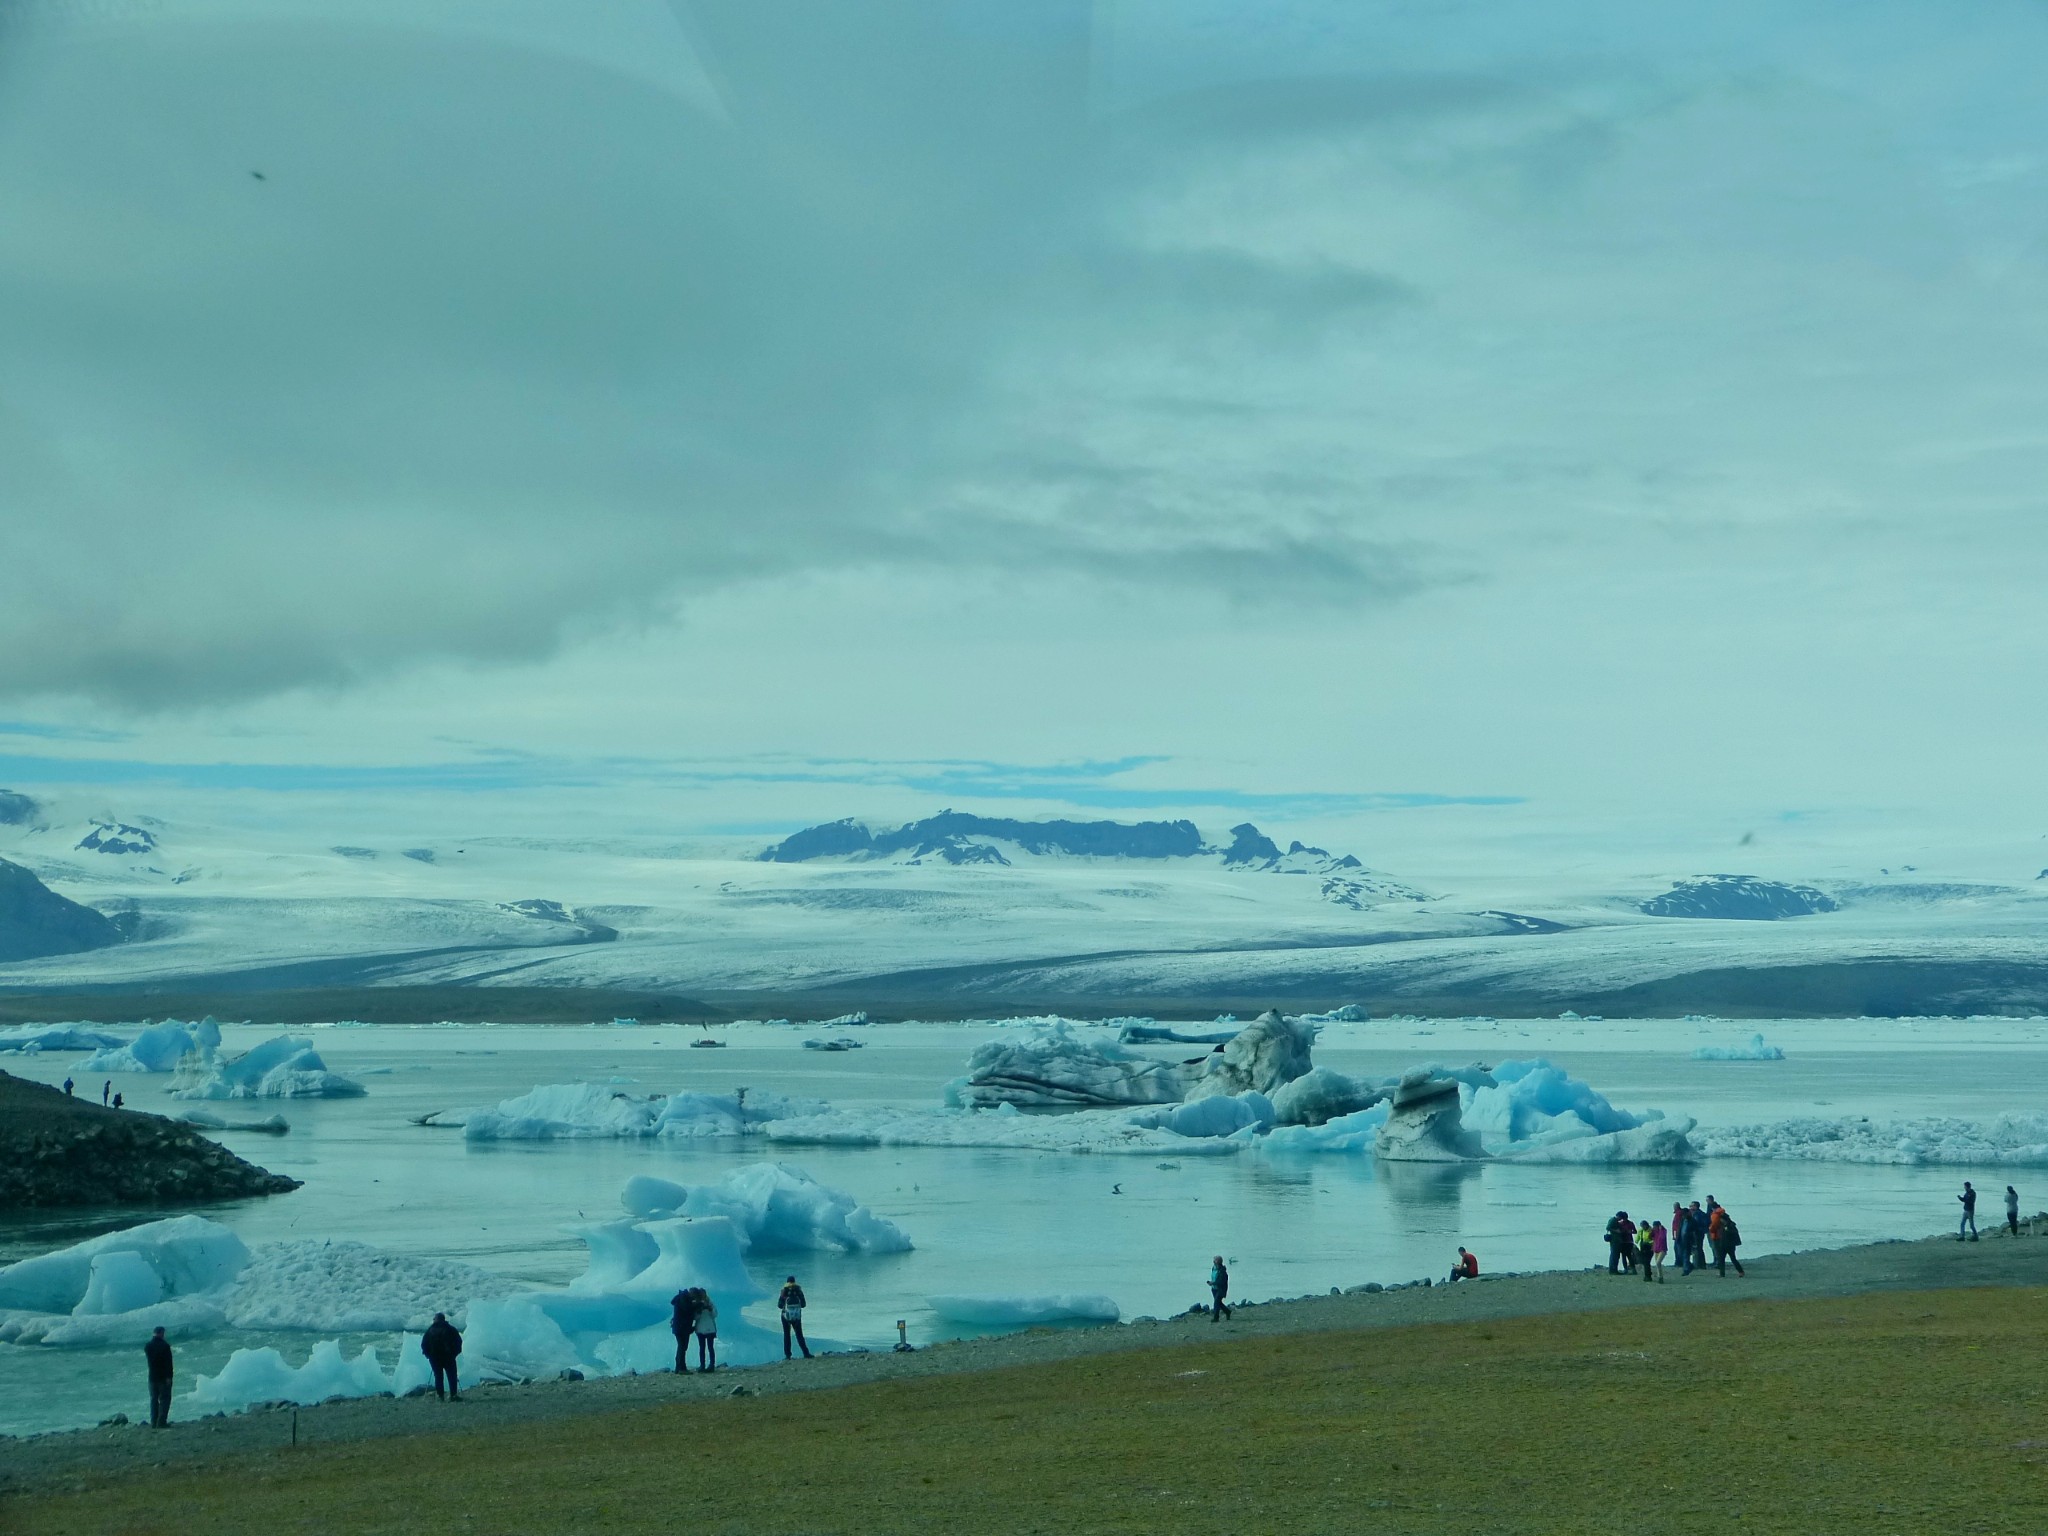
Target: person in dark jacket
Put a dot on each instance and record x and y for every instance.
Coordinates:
(1621, 1244)
(1969, 1222)
(2012, 1210)
(441, 1343)
(706, 1323)
(117, 1101)
(791, 1305)
(67, 1087)
(106, 1090)
(158, 1353)
(682, 1322)
(1219, 1287)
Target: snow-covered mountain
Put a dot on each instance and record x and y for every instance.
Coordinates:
(959, 910)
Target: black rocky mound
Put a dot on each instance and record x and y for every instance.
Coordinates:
(58, 1151)
(955, 836)
(35, 921)
(1742, 897)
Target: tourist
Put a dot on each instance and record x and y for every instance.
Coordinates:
(1969, 1222)
(1219, 1287)
(158, 1353)
(1466, 1265)
(791, 1305)
(1726, 1238)
(1646, 1251)
(1660, 1246)
(2012, 1210)
(106, 1090)
(441, 1343)
(1696, 1235)
(706, 1324)
(67, 1087)
(117, 1101)
(1620, 1235)
(682, 1323)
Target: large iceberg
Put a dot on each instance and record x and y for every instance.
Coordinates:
(1321, 1095)
(1023, 1311)
(1268, 1053)
(159, 1048)
(773, 1205)
(263, 1376)
(1425, 1122)
(182, 1255)
(1528, 1111)
(280, 1068)
(1054, 1067)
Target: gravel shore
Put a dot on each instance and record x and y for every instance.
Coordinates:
(84, 1458)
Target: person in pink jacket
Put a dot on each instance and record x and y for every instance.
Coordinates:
(1660, 1245)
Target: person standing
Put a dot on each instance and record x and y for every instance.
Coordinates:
(158, 1353)
(67, 1087)
(1696, 1235)
(1646, 1249)
(706, 1324)
(1621, 1244)
(1660, 1247)
(791, 1305)
(682, 1322)
(106, 1090)
(2012, 1210)
(441, 1344)
(1969, 1222)
(1219, 1287)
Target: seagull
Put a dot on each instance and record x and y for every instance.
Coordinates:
(259, 176)
(1116, 1189)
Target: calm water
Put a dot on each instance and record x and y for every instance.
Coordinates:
(1034, 1221)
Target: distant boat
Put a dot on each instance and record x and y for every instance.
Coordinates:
(841, 1044)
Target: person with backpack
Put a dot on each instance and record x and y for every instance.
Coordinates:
(682, 1322)
(2012, 1210)
(441, 1344)
(791, 1305)
(1219, 1287)
(1726, 1238)
(706, 1324)
(1969, 1222)
(157, 1352)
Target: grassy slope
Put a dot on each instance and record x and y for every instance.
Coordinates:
(1905, 1412)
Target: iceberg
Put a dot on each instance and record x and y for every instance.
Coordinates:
(262, 1376)
(1425, 1122)
(2005, 1141)
(32, 1038)
(1267, 1053)
(326, 1286)
(1216, 1116)
(1357, 1132)
(1755, 1050)
(280, 1068)
(1350, 1013)
(573, 1111)
(1145, 1032)
(185, 1255)
(1320, 1095)
(773, 1205)
(1527, 1111)
(1093, 1131)
(1054, 1067)
(1023, 1311)
(159, 1048)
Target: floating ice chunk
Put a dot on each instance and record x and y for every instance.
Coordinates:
(188, 1254)
(1523, 1101)
(1266, 1053)
(1755, 1050)
(1022, 1311)
(1216, 1116)
(697, 1250)
(280, 1068)
(1656, 1141)
(774, 1205)
(180, 1317)
(1424, 1123)
(411, 1371)
(711, 1114)
(1321, 1094)
(512, 1338)
(619, 1250)
(1055, 1067)
(1350, 1013)
(1097, 1131)
(346, 1287)
(33, 1038)
(2004, 1141)
(1145, 1032)
(561, 1111)
(206, 1119)
(264, 1376)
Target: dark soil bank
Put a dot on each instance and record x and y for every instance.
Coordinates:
(56, 1150)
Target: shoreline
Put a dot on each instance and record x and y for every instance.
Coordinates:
(85, 1457)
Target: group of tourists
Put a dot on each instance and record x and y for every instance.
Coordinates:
(1642, 1247)
(1969, 1222)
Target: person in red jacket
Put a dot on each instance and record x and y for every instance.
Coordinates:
(1467, 1265)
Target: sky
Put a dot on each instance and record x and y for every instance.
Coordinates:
(1458, 416)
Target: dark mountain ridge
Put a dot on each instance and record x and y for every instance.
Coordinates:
(960, 837)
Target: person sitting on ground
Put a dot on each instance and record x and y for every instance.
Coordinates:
(791, 1305)
(2012, 1210)
(1969, 1222)
(1646, 1249)
(1660, 1245)
(1466, 1265)
(1219, 1287)
(706, 1324)
(682, 1323)
(158, 1353)
(441, 1343)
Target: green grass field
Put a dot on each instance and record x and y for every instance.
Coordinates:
(1909, 1413)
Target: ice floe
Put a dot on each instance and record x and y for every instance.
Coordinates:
(571, 1111)
(773, 1205)
(1052, 1066)
(1754, 1050)
(282, 1067)
(1091, 1131)
(159, 1048)
(32, 1038)
(2008, 1141)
